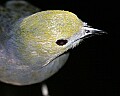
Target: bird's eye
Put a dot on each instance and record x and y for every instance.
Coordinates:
(61, 42)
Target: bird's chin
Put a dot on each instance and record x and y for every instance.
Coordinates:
(76, 43)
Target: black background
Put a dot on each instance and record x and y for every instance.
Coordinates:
(92, 68)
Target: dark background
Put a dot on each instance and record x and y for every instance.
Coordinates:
(93, 67)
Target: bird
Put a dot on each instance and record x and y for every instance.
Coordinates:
(34, 44)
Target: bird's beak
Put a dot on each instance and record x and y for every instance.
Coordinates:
(89, 31)
(84, 33)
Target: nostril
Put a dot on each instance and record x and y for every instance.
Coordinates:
(61, 42)
(87, 31)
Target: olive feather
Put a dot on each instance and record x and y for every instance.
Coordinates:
(31, 48)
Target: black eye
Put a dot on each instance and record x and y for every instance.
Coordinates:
(61, 42)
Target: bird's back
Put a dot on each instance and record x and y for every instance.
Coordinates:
(13, 11)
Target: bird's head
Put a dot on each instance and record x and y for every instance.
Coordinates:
(49, 33)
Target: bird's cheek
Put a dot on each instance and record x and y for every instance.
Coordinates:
(56, 49)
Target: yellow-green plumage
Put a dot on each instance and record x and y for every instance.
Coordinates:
(28, 48)
(33, 44)
(46, 27)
